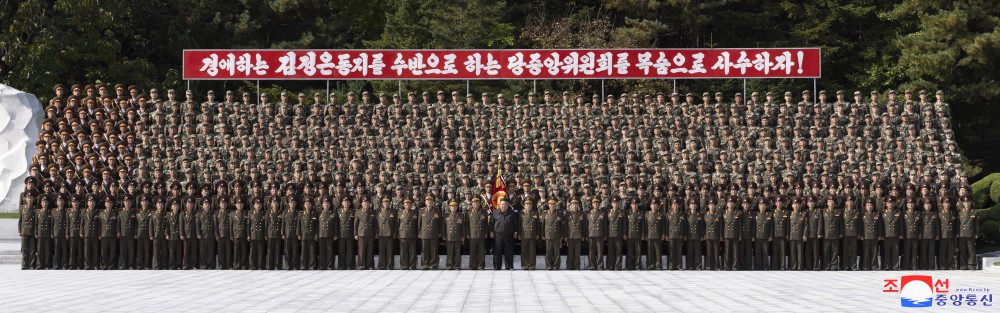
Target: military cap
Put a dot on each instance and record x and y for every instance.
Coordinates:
(705, 94)
(940, 92)
(517, 95)
(754, 94)
(874, 92)
(822, 92)
(788, 93)
(429, 197)
(739, 94)
(892, 92)
(453, 202)
(499, 95)
(552, 201)
(476, 199)
(119, 86)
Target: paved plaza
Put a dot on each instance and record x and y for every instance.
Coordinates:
(452, 291)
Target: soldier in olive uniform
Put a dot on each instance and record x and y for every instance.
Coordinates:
(553, 232)
(430, 234)
(797, 223)
(948, 221)
(408, 226)
(833, 232)
(747, 233)
(615, 232)
(26, 223)
(454, 233)
(871, 234)
(654, 234)
(43, 232)
(205, 232)
(326, 233)
(223, 232)
(274, 233)
(290, 233)
(189, 234)
(60, 237)
(530, 233)
(595, 236)
(713, 234)
(732, 221)
(387, 229)
(159, 229)
(676, 230)
(814, 234)
(478, 231)
(308, 229)
(175, 244)
(892, 232)
(763, 235)
(108, 233)
(127, 233)
(575, 236)
(91, 233)
(74, 217)
(911, 234)
(928, 235)
(240, 223)
(633, 236)
(364, 233)
(144, 242)
(695, 226)
(968, 232)
(345, 230)
(257, 234)
(852, 229)
(779, 243)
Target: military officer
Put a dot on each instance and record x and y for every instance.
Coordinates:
(274, 233)
(60, 234)
(91, 225)
(763, 235)
(616, 231)
(454, 234)
(387, 229)
(223, 232)
(833, 233)
(26, 223)
(595, 235)
(144, 243)
(732, 221)
(948, 221)
(74, 233)
(814, 234)
(308, 230)
(158, 232)
(968, 232)
(430, 234)
(257, 233)
(205, 232)
(408, 227)
(797, 222)
(870, 235)
(530, 233)
(892, 232)
(553, 227)
(676, 231)
(713, 234)
(364, 233)
(175, 245)
(326, 233)
(853, 228)
(43, 232)
(779, 245)
(654, 235)
(127, 233)
(928, 235)
(109, 232)
(478, 231)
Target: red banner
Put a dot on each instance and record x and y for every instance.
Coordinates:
(502, 64)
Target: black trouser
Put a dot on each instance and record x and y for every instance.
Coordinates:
(813, 260)
(258, 254)
(928, 258)
(143, 252)
(107, 252)
(345, 254)
(274, 254)
(176, 254)
(712, 254)
(732, 262)
(760, 254)
(29, 258)
(946, 257)
(614, 261)
(477, 254)
(386, 245)
(44, 257)
(676, 246)
(967, 253)
(778, 253)
(241, 253)
(553, 260)
(849, 261)
(366, 253)
(309, 254)
(503, 248)
(595, 253)
(76, 253)
(454, 254)
(60, 258)
(746, 253)
(190, 253)
(654, 254)
(796, 259)
(694, 254)
(528, 250)
(633, 254)
(429, 257)
(408, 254)
(161, 258)
(890, 254)
(573, 254)
(911, 247)
(831, 252)
(225, 253)
(127, 246)
(292, 253)
(206, 251)
(869, 257)
(92, 252)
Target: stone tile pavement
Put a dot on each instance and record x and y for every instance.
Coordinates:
(453, 291)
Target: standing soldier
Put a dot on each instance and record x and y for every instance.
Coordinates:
(797, 235)
(615, 232)
(258, 234)
(911, 236)
(746, 232)
(144, 242)
(695, 235)
(26, 223)
(60, 237)
(833, 232)
(91, 232)
(326, 233)
(224, 232)
(75, 232)
(675, 234)
(454, 234)
(552, 225)
(43, 232)
(928, 235)
(175, 244)
(205, 232)
(478, 230)
(595, 236)
(779, 249)
(870, 235)
(713, 233)
(364, 233)
(430, 234)
(633, 236)
(109, 232)
(529, 233)
(731, 219)
(852, 229)
(387, 229)
(308, 227)
(968, 232)
(892, 233)
(814, 234)
(127, 233)
(290, 232)
(345, 230)
(159, 227)
(189, 234)
(575, 229)
(408, 222)
(947, 219)
(763, 235)
(240, 224)
(654, 235)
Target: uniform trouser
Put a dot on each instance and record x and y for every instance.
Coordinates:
(477, 254)
(386, 247)
(676, 247)
(345, 254)
(107, 252)
(746, 254)
(760, 254)
(796, 259)
(75, 253)
(911, 249)
(890, 254)
(614, 261)
(206, 250)
(869, 257)
(813, 260)
(258, 255)
(160, 255)
(529, 249)
(274, 253)
(694, 249)
(190, 253)
(849, 261)
(946, 256)
(967, 253)
(29, 258)
(453, 250)
(573, 253)
(429, 257)
(92, 252)
(552, 258)
(309, 254)
(225, 253)
(143, 252)
(127, 257)
(408, 254)
(732, 262)
(928, 256)
(633, 254)
(44, 257)
(366, 253)
(595, 253)
(292, 253)
(241, 253)
(831, 252)
(61, 255)
(779, 251)
(712, 254)
(176, 254)
(654, 254)
(503, 250)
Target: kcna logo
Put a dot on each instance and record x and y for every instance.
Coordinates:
(916, 291)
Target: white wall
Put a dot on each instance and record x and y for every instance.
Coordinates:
(20, 123)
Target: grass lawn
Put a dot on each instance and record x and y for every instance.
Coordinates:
(8, 215)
